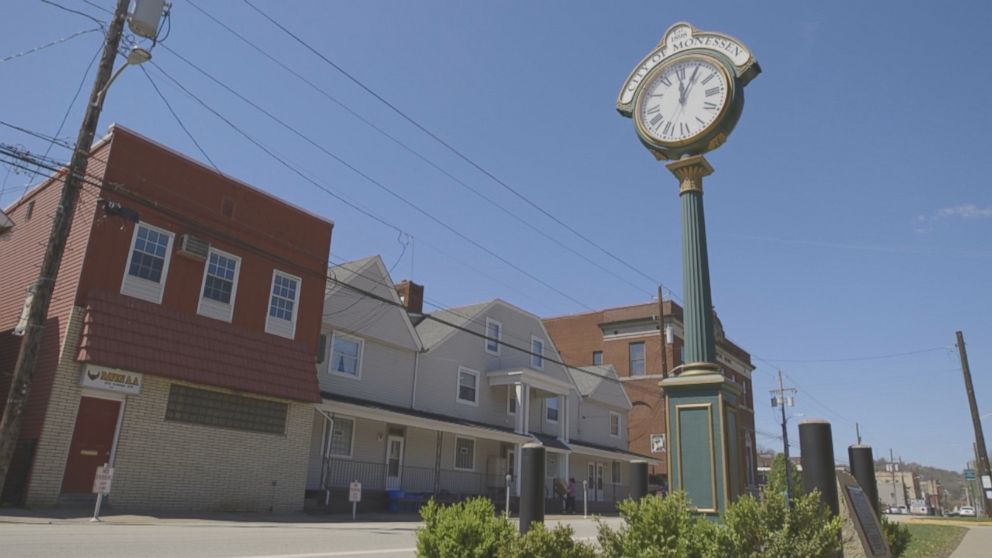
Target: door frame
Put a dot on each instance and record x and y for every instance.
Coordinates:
(600, 481)
(100, 394)
(399, 477)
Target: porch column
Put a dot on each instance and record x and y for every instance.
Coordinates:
(521, 422)
(526, 409)
(563, 418)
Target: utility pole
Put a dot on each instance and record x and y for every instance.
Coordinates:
(892, 468)
(984, 478)
(782, 400)
(41, 291)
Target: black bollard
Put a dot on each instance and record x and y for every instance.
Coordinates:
(816, 445)
(863, 469)
(638, 479)
(531, 485)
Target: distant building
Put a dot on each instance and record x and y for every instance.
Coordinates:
(644, 344)
(181, 339)
(897, 488)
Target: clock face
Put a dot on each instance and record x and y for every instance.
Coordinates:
(683, 100)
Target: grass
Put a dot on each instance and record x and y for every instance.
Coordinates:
(933, 541)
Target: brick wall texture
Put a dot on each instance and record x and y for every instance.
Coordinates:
(172, 466)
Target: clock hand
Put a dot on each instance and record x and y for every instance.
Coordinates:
(692, 81)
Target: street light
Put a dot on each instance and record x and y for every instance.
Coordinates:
(136, 57)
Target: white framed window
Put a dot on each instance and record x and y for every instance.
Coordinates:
(284, 298)
(220, 285)
(511, 400)
(537, 350)
(494, 334)
(636, 351)
(464, 454)
(614, 424)
(342, 438)
(346, 355)
(468, 386)
(148, 263)
(615, 476)
(551, 409)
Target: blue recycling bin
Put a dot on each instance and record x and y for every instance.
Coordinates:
(393, 500)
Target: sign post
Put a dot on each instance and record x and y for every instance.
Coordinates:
(354, 496)
(101, 485)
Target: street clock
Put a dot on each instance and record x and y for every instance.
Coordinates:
(686, 95)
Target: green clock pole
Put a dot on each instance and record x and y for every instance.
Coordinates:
(702, 418)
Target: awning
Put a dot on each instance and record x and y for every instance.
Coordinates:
(374, 410)
(596, 450)
(532, 378)
(551, 443)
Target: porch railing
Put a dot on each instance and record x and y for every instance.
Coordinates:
(374, 476)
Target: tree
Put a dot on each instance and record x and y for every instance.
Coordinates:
(776, 478)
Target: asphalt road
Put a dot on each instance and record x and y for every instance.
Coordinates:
(221, 539)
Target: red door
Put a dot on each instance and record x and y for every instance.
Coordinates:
(91, 442)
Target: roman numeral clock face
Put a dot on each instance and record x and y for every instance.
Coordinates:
(683, 100)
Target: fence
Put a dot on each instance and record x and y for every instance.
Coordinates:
(373, 476)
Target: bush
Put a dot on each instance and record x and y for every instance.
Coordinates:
(470, 529)
(897, 535)
(770, 529)
(539, 542)
(660, 528)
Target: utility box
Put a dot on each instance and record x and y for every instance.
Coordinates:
(145, 17)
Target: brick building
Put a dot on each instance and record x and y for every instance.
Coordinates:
(644, 343)
(181, 339)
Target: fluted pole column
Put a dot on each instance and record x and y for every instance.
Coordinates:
(700, 342)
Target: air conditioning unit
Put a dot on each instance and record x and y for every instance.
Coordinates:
(193, 247)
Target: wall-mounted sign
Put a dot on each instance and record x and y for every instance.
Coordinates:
(657, 443)
(111, 379)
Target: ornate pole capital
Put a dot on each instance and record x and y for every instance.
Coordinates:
(690, 171)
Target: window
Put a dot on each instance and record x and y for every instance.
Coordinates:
(537, 348)
(322, 349)
(465, 454)
(597, 358)
(220, 285)
(494, 334)
(283, 305)
(636, 358)
(615, 472)
(148, 263)
(511, 400)
(346, 355)
(342, 437)
(468, 386)
(614, 424)
(551, 409)
(225, 410)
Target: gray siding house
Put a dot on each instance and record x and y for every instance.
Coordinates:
(439, 405)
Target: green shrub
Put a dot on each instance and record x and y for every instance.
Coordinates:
(897, 535)
(660, 528)
(470, 529)
(539, 542)
(770, 529)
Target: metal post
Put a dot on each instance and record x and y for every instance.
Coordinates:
(585, 498)
(863, 469)
(638, 479)
(816, 447)
(532, 485)
(509, 480)
(27, 358)
(99, 501)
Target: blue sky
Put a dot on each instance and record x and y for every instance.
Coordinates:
(850, 214)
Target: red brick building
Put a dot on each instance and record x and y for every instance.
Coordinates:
(181, 339)
(644, 343)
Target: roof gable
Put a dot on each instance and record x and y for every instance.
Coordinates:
(602, 384)
(348, 309)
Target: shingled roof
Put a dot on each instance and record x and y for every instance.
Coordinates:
(131, 334)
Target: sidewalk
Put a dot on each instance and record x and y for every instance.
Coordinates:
(976, 544)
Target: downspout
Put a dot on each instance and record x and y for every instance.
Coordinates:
(416, 368)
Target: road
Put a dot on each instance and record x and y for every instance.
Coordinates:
(220, 539)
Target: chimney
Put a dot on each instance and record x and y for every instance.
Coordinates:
(411, 295)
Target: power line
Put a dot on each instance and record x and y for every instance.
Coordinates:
(375, 182)
(853, 359)
(178, 120)
(451, 148)
(406, 147)
(77, 12)
(46, 45)
(120, 189)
